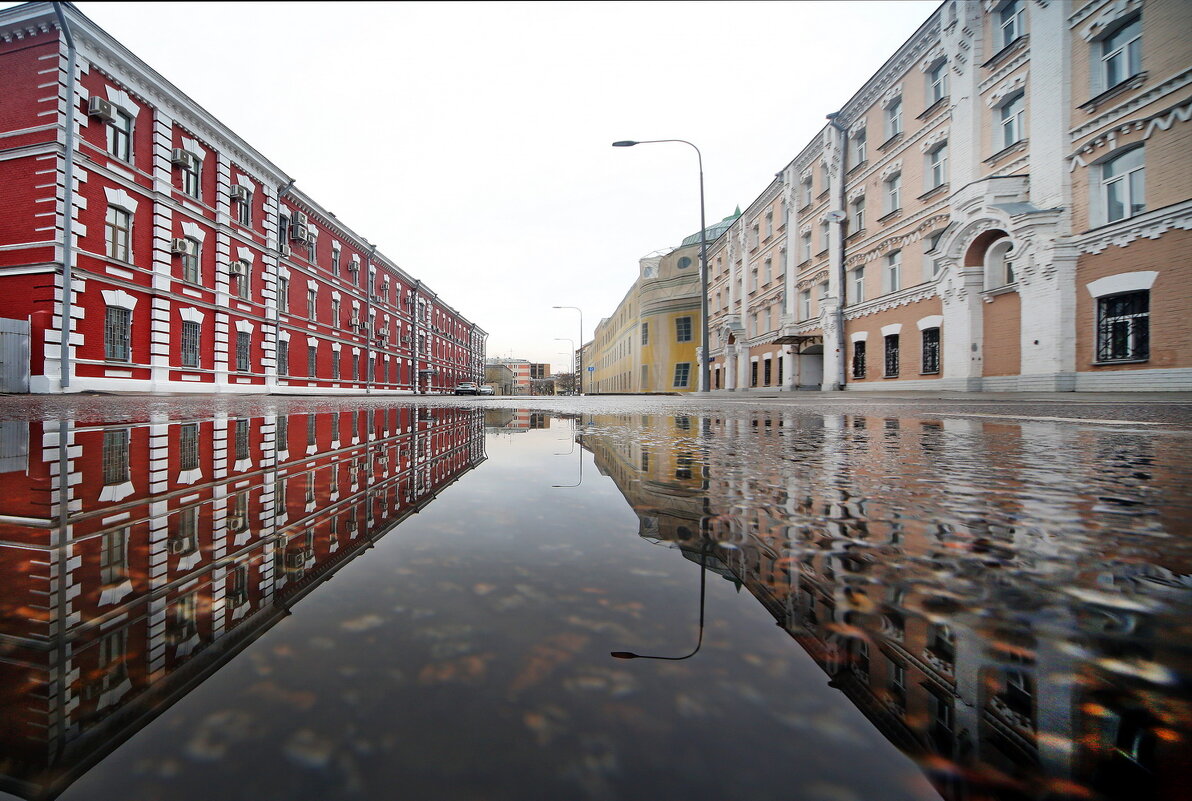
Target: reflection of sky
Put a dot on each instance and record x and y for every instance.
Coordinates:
(466, 656)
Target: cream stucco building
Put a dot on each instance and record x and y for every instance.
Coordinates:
(1005, 205)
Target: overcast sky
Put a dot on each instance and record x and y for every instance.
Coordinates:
(470, 141)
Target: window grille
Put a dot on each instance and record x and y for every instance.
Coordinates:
(188, 446)
(312, 360)
(931, 350)
(242, 451)
(645, 333)
(1123, 327)
(243, 346)
(859, 359)
(766, 368)
(190, 343)
(892, 356)
(117, 334)
(283, 357)
(115, 456)
(283, 433)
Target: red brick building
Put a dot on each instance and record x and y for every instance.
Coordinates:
(195, 263)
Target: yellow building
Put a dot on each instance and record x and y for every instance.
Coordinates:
(650, 343)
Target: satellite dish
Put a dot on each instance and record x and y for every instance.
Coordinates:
(836, 215)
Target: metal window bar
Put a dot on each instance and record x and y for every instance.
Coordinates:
(859, 359)
(188, 445)
(1123, 327)
(190, 344)
(117, 334)
(242, 452)
(931, 350)
(243, 343)
(892, 355)
(115, 456)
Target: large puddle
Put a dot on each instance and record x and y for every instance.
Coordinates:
(370, 601)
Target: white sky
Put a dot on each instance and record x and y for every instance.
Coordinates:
(471, 141)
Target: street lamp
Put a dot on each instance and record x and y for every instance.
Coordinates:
(573, 353)
(705, 370)
(579, 354)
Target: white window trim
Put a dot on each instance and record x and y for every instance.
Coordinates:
(1121, 283)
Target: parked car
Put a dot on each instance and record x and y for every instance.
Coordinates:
(485, 389)
(467, 388)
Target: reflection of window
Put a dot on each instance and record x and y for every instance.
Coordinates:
(683, 462)
(1123, 327)
(185, 539)
(112, 650)
(239, 517)
(115, 456)
(113, 559)
(188, 446)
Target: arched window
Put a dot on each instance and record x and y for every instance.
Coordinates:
(999, 264)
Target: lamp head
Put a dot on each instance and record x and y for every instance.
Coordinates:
(623, 655)
(624, 143)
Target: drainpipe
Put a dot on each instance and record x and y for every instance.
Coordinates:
(68, 209)
(369, 286)
(414, 337)
(841, 361)
(281, 192)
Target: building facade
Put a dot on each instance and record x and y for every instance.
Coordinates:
(523, 377)
(195, 264)
(649, 343)
(1005, 205)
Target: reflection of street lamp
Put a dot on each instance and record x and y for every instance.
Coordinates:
(579, 354)
(581, 472)
(704, 371)
(703, 559)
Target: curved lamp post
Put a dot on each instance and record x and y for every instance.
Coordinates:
(704, 370)
(703, 559)
(579, 354)
(574, 354)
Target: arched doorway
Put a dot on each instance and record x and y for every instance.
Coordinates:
(993, 251)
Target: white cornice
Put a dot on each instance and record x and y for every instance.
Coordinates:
(1149, 225)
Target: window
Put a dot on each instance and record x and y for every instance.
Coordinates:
(769, 224)
(805, 304)
(117, 333)
(1123, 327)
(283, 294)
(859, 147)
(190, 260)
(894, 271)
(859, 285)
(243, 344)
(190, 343)
(119, 233)
(683, 329)
(283, 357)
(937, 167)
(356, 368)
(312, 297)
(767, 364)
(931, 350)
(335, 261)
(894, 118)
(188, 446)
(937, 82)
(239, 522)
(858, 215)
(645, 333)
(282, 437)
(192, 170)
(240, 283)
(120, 136)
(894, 193)
(768, 275)
(335, 356)
(825, 234)
(1010, 23)
(244, 209)
(805, 191)
(753, 374)
(1011, 119)
(115, 456)
(312, 360)
(1123, 185)
(682, 374)
(891, 356)
(1121, 54)
(805, 247)
(859, 359)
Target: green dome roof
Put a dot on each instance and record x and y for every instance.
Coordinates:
(713, 231)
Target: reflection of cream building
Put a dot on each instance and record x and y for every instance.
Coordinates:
(913, 601)
(1005, 205)
(649, 343)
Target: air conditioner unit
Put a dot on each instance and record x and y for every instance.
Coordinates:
(295, 561)
(353, 266)
(236, 268)
(176, 545)
(299, 233)
(381, 333)
(239, 193)
(103, 109)
(299, 219)
(405, 340)
(355, 321)
(183, 158)
(179, 246)
(285, 249)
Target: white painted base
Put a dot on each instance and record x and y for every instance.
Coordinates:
(1170, 380)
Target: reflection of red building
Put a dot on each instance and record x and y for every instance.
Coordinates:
(180, 543)
(197, 264)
